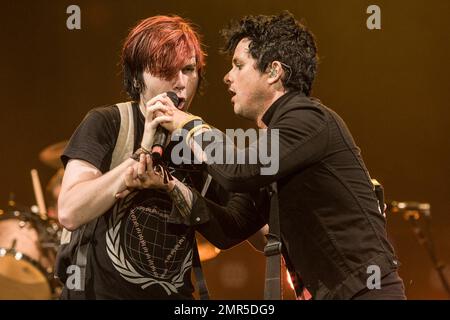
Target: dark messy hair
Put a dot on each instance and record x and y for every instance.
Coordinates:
(277, 38)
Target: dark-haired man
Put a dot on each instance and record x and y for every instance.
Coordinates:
(332, 227)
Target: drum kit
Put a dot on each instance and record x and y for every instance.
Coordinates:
(29, 239)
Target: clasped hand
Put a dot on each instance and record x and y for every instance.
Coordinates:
(143, 175)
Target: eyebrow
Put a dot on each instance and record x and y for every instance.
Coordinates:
(194, 65)
(236, 61)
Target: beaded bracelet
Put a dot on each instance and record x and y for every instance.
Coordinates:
(137, 154)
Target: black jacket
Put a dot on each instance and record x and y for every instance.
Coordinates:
(330, 220)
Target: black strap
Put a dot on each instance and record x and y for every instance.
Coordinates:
(83, 251)
(272, 250)
(297, 281)
(196, 263)
(198, 271)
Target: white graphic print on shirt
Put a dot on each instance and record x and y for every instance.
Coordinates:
(148, 254)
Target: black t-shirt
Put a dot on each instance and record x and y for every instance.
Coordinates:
(141, 250)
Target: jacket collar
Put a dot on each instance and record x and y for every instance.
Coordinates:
(268, 115)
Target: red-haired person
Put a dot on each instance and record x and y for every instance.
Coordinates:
(139, 246)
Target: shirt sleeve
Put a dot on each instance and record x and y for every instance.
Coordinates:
(94, 139)
(228, 225)
(298, 139)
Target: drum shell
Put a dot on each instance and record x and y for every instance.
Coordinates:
(25, 266)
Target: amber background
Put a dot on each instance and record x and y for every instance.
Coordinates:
(391, 86)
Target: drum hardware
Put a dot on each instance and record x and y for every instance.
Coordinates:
(28, 244)
(26, 265)
(414, 212)
(49, 245)
(39, 195)
(13, 244)
(51, 154)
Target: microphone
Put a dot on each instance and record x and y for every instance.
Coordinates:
(161, 133)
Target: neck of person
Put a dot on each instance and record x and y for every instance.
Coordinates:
(142, 106)
(277, 94)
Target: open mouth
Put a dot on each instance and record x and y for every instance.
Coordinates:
(232, 93)
(181, 103)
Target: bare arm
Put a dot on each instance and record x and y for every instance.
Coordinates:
(86, 193)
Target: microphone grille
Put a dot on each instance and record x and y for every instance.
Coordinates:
(173, 96)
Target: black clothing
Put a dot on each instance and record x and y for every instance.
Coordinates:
(391, 288)
(142, 249)
(330, 220)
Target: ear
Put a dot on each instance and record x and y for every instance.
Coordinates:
(275, 72)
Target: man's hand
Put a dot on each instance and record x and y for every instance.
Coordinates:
(179, 118)
(142, 176)
(162, 105)
(158, 106)
(156, 112)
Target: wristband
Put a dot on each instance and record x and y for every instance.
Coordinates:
(137, 154)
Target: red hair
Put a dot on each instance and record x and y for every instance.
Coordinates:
(160, 45)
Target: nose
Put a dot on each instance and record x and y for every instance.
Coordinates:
(226, 79)
(180, 81)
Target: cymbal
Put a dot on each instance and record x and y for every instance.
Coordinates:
(206, 250)
(51, 154)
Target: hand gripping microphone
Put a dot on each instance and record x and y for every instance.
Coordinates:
(159, 141)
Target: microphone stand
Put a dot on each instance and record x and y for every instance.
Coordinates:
(425, 240)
